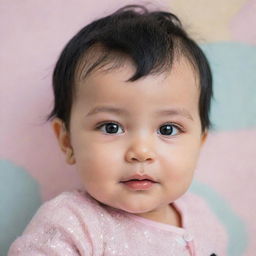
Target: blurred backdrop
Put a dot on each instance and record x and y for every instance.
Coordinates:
(32, 168)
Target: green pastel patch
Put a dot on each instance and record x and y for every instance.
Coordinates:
(234, 73)
(20, 198)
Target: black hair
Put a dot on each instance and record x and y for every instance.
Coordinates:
(150, 40)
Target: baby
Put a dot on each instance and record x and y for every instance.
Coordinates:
(132, 100)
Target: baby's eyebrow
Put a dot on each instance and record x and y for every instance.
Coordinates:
(107, 109)
(119, 111)
(175, 112)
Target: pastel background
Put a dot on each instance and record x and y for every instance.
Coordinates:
(32, 168)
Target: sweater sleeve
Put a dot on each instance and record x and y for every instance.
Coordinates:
(59, 228)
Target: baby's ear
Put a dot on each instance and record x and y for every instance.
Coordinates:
(63, 138)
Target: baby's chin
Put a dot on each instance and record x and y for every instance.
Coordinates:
(136, 208)
(126, 207)
(135, 204)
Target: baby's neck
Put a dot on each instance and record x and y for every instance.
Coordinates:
(170, 216)
(175, 218)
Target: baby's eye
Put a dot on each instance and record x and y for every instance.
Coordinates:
(169, 129)
(110, 128)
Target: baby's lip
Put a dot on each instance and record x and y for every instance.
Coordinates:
(138, 177)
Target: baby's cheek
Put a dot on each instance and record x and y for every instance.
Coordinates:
(179, 167)
(97, 161)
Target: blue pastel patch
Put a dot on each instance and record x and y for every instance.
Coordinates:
(20, 198)
(234, 72)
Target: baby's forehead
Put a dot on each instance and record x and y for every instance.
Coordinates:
(99, 61)
(97, 85)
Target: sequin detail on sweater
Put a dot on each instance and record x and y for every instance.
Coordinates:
(74, 224)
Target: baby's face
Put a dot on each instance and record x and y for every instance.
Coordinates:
(147, 127)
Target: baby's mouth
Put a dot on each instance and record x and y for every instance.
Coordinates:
(138, 177)
(139, 182)
(135, 184)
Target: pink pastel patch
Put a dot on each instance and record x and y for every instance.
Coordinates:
(242, 27)
(228, 165)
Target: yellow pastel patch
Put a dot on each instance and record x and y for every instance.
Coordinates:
(211, 18)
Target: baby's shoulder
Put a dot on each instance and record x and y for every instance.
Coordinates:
(76, 199)
(65, 224)
(68, 208)
(197, 207)
(191, 199)
(204, 222)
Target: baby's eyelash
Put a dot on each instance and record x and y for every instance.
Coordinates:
(99, 125)
(175, 126)
(102, 124)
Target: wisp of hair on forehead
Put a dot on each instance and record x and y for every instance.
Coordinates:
(150, 40)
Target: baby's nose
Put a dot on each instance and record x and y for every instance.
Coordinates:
(141, 151)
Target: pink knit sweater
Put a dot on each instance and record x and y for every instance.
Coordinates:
(75, 224)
